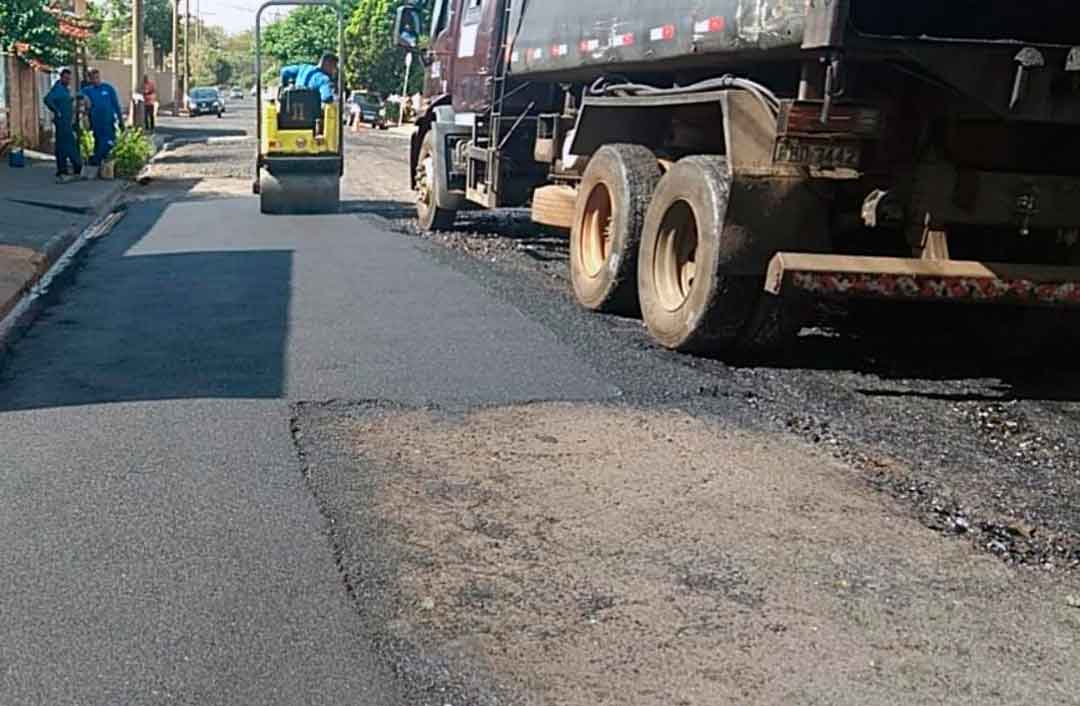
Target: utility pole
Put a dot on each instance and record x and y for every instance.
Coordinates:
(175, 62)
(187, 46)
(404, 90)
(136, 59)
(198, 22)
(80, 58)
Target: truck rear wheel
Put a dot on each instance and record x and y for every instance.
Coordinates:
(428, 180)
(606, 230)
(688, 301)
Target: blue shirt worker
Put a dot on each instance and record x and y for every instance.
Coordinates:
(321, 77)
(60, 102)
(105, 115)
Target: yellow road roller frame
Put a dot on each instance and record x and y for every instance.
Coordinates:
(298, 170)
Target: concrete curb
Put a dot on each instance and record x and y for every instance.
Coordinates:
(59, 245)
(19, 317)
(56, 246)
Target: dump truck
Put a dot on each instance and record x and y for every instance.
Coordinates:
(714, 159)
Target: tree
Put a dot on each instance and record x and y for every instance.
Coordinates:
(222, 69)
(25, 22)
(99, 44)
(239, 51)
(375, 62)
(301, 36)
(157, 23)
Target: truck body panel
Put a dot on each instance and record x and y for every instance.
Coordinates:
(570, 35)
(861, 138)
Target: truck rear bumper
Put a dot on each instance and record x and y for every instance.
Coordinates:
(907, 279)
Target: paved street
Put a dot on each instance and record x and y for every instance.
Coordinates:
(159, 544)
(330, 460)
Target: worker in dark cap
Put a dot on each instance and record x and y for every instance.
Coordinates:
(62, 105)
(322, 78)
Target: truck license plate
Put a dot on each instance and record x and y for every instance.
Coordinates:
(818, 153)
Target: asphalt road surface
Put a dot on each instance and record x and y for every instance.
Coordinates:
(159, 540)
(159, 545)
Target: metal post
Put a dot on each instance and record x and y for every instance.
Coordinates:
(404, 90)
(175, 62)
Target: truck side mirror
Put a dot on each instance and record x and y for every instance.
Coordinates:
(407, 27)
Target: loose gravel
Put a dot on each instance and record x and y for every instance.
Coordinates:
(926, 404)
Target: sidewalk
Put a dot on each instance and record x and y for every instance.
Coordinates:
(39, 219)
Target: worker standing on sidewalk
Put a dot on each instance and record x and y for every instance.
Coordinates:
(149, 92)
(59, 101)
(105, 115)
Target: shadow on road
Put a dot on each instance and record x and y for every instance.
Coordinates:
(383, 208)
(1028, 352)
(200, 130)
(130, 327)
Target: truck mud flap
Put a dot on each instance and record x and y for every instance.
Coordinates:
(844, 276)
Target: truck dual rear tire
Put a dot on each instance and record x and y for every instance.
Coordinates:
(613, 198)
(428, 180)
(689, 301)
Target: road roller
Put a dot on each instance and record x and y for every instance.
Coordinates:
(300, 155)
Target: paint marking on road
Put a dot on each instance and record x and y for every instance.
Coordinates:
(227, 139)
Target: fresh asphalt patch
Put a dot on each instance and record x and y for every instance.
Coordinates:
(582, 553)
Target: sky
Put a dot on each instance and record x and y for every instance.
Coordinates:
(234, 15)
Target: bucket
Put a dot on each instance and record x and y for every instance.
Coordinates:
(16, 158)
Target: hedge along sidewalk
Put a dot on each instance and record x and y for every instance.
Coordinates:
(40, 219)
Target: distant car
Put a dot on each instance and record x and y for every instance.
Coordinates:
(205, 101)
(366, 107)
(236, 93)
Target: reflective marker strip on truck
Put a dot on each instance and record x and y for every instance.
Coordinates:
(709, 26)
(589, 45)
(662, 34)
(560, 50)
(623, 40)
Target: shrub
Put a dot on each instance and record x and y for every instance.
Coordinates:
(131, 152)
(86, 144)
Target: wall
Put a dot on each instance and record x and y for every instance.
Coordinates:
(118, 73)
(5, 133)
(24, 94)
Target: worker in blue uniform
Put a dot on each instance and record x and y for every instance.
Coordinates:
(105, 115)
(59, 101)
(321, 78)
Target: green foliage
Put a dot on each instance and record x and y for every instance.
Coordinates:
(26, 21)
(222, 70)
(99, 44)
(131, 152)
(86, 144)
(157, 23)
(239, 52)
(301, 36)
(375, 62)
(207, 56)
